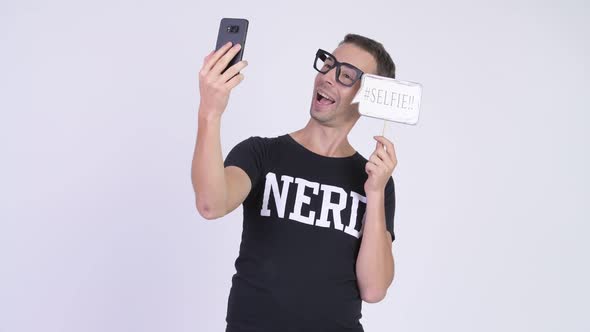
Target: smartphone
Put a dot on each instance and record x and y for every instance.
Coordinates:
(234, 30)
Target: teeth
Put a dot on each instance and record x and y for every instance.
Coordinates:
(325, 96)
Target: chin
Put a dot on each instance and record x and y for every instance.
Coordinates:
(322, 117)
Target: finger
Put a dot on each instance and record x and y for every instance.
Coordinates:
(235, 81)
(370, 168)
(384, 141)
(215, 56)
(383, 155)
(226, 58)
(233, 70)
(378, 146)
(376, 160)
(208, 56)
(379, 151)
(388, 144)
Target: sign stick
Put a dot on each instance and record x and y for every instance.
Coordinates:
(383, 133)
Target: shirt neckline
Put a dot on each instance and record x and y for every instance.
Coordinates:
(301, 147)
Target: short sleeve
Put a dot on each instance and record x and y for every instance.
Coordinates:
(389, 201)
(248, 155)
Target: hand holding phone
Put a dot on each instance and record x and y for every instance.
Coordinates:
(218, 76)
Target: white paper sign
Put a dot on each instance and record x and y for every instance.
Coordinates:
(389, 99)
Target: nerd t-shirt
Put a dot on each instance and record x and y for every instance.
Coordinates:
(301, 235)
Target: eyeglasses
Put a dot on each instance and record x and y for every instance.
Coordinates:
(346, 74)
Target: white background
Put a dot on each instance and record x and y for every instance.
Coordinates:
(98, 106)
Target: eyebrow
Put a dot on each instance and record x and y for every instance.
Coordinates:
(346, 63)
(350, 64)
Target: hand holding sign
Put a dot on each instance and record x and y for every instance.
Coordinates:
(380, 165)
(389, 99)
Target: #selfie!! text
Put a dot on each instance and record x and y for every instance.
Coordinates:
(389, 98)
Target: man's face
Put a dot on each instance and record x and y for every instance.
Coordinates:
(340, 111)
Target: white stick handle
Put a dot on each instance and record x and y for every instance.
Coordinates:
(383, 133)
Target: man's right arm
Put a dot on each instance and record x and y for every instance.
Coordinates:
(218, 190)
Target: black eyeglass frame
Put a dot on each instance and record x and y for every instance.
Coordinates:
(321, 53)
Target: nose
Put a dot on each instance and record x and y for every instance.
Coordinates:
(330, 76)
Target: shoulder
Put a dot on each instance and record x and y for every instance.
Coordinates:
(259, 144)
(263, 141)
(272, 140)
(257, 140)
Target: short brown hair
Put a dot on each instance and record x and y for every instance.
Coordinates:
(385, 66)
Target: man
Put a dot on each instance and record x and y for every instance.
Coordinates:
(318, 217)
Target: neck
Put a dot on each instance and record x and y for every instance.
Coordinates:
(324, 140)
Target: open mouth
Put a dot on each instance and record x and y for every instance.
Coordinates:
(323, 99)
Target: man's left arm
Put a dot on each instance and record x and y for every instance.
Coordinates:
(375, 265)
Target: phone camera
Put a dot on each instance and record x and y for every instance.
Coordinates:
(233, 28)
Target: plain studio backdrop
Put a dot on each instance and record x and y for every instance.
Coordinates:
(99, 229)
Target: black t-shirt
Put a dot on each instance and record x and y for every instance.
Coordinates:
(301, 235)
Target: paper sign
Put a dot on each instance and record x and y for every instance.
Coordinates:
(389, 99)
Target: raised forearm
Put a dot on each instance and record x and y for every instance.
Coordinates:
(207, 172)
(374, 265)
